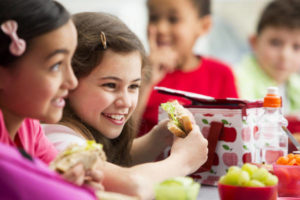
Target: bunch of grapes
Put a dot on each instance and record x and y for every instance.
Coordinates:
(248, 176)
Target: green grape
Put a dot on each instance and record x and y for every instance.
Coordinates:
(249, 168)
(233, 168)
(271, 180)
(179, 188)
(254, 183)
(243, 178)
(261, 174)
(232, 177)
(222, 179)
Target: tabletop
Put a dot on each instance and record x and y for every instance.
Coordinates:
(208, 193)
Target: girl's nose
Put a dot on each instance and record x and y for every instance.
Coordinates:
(123, 100)
(70, 80)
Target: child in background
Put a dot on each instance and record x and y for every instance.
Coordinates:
(276, 55)
(37, 41)
(108, 63)
(173, 28)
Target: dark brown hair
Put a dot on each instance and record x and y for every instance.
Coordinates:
(34, 18)
(202, 6)
(280, 13)
(87, 56)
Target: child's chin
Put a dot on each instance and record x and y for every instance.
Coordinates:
(53, 118)
(113, 134)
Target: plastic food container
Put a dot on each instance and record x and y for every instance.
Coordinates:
(289, 180)
(179, 188)
(230, 192)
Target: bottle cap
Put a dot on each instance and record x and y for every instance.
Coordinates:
(272, 99)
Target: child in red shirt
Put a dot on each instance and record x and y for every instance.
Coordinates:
(174, 27)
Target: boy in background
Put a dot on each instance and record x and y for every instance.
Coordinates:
(276, 55)
(173, 28)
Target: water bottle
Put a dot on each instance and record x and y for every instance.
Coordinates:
(272, 142)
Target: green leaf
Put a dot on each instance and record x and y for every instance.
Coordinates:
(245, 147)
(244, 122)
(226, 147)
(224, 121)
(169, 107)
(205, 121)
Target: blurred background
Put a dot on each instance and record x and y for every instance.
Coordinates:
(233, 22)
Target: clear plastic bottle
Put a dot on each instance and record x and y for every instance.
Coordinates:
(272, 141)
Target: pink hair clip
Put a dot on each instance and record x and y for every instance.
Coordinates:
(18, 45)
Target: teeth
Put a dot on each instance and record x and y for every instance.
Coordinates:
(116, 117)
(60, 102)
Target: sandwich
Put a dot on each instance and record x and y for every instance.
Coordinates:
(88, 154)
(180, 123)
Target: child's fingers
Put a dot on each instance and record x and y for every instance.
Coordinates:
(95, 185)
(75, 174)
(196, 129)
(95, 175)
(152, 38)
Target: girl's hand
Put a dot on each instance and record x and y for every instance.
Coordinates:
(191, 150)
(163, 59)
(161, 136)
(77, 175)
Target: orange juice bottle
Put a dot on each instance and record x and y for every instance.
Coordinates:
(272, 141)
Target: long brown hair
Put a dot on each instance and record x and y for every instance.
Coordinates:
(88, 55)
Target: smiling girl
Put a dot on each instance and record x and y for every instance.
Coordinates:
(108, 63)
(35, 72)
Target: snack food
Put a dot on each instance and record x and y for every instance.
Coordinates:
(248, 176)
(290, 159)
(178, 188)
(180, 123)
(87, 154)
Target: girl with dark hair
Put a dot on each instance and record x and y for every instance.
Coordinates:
(108, 63)
(37, 42)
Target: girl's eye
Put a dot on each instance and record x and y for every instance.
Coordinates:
(134, 86)
(55, 67)
(109, 85)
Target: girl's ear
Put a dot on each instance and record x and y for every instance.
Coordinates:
(204, 25)
(252, 41)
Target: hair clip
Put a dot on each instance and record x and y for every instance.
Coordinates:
(103, 40)
(17, 46)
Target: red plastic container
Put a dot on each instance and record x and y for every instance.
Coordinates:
(289, 180)
(230, 192)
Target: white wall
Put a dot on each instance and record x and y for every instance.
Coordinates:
(132, 12)
(234, 21)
